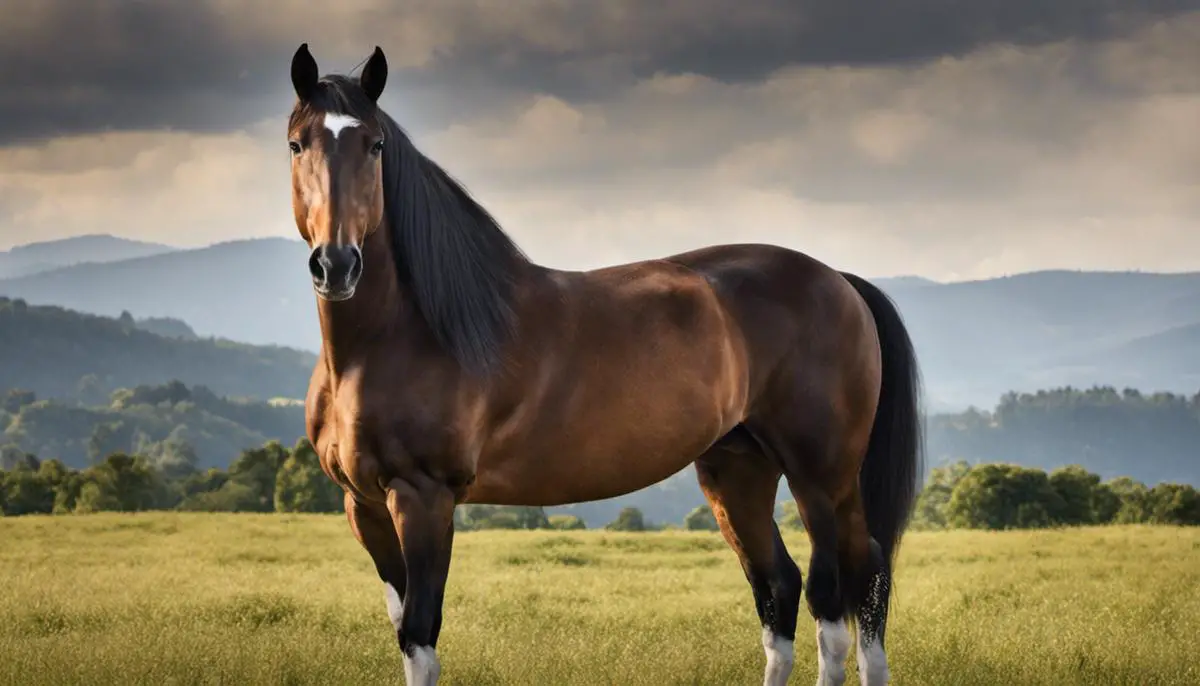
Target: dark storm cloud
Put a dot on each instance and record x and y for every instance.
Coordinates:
(74, 66)
(68, 66)
(740, 41)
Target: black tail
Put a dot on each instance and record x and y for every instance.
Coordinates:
(893, 466)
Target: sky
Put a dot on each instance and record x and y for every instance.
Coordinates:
(950, 140)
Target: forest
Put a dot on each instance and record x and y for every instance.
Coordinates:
(1147, 439)
(76, 389)
(71, 356)
(274, 478)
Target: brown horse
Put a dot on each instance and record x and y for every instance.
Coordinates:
(454, 370)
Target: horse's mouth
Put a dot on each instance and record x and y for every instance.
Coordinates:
(334, 295)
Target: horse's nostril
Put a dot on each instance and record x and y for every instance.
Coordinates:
(316, 264)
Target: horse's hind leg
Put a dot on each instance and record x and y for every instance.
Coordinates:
(824, 592)
(820, 473)
(866, 576)
(848, 574)
(740, 484)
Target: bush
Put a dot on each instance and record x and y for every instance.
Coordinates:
(565, 522)
(628, 519)
(701, 519)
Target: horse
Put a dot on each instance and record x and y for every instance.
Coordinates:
(454, 369)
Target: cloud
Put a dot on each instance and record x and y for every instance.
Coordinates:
(216, 65)
(998, 139)
(179, 188)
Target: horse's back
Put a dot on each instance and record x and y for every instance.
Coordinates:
(786, 303)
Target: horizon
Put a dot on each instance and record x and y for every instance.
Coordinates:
(964, 145)
(217, 243)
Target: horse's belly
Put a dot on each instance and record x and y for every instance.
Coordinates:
(599, 455)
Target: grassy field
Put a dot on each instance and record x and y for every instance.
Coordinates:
(273, 599)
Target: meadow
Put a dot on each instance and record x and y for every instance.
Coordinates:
(182, 598)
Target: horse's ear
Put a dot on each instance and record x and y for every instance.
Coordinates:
(374, 75)
(304, 73)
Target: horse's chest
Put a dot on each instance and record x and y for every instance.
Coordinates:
(368, 437)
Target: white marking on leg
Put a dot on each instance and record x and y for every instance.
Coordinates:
(422, 667)
(395, 605)
(833, 647)
(872, 661)
(781, 655)
(337, 122)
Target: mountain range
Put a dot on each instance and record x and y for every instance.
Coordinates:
(976, 339)
(43, 256)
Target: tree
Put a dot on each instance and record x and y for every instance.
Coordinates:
(108, 438)
(12, 457)
(173, 456)
(1003, 496)
(1105, 504)
(96, 497)
(477, 517)
(566, 522)
(257, 469)
(26, 491)
(1175, 504)
(628, 519)
(1077, 488)
(1134, 499)
(930, 509)
(701, 519)
(232, 496)
(302, 486)
(126, 483)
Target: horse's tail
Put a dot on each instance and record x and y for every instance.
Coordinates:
(892, 468)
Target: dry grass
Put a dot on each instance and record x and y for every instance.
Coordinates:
(271, 599)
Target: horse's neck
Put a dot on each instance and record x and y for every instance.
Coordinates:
(350, 328)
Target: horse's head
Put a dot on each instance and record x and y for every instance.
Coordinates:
(337, 146)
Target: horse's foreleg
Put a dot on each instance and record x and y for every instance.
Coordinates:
(374, 529)
(423, 513)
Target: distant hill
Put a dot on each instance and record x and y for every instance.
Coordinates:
(976, 340)
(167, 327)
(255, 291)
(153, 420)
(47, 255)
(64, 354)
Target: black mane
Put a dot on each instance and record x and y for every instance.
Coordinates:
(451, 255)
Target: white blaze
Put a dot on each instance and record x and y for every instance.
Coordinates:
(337, 122)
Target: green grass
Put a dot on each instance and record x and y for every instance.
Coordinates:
(274, 599)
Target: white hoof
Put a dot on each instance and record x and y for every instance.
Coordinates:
(833, 647)
(421, 668)
(781, 655)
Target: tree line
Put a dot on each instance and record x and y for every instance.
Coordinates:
(275, 478)
(1009, 496)
(1147, 436)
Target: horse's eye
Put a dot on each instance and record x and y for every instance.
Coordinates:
(377, 147)
(294, 147)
